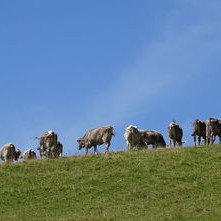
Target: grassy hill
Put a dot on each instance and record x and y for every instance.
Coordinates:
(165, 184)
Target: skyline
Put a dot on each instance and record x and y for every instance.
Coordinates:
(73, 66)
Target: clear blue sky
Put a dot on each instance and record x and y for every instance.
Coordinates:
(70, 66)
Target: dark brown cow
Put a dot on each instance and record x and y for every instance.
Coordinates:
(96, 137)
(9, 153)
(152, 137)
(47, 141)
(175, 134)
(199, 129)
(57, 150)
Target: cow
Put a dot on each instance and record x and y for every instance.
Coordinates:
(47, 141)
(96, 137)
(213, 129)
(8, 153)
(199, 129)
(152, 137)
(57, 150)
(175, 134)
(29, 155)
(133, 137)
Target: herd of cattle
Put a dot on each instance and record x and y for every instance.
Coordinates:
(50, 147)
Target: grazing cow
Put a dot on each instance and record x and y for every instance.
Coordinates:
(175, 133)
(213, 129)
(152, 137)
(96, 136)
(199, 129)
(9, 153)
(47, 141)
(133, 137)
(29, 155)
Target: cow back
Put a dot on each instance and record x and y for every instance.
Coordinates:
(175, 132)
(152, 137)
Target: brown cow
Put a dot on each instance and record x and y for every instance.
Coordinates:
(9, 153)
(137, 138)
(95, 137)
(175, 134)
(199, 129)
(152, 137)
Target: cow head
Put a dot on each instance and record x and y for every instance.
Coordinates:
(17, 154)
(81, 143)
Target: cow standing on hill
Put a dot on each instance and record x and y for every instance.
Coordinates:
(213, 129)
(57, 150)
(29, 155)
(133, 137)
(140, 139)
(175, 134)
(96, 137)
(152, 137)
(199, 129)
(8, 153)
(48, 142)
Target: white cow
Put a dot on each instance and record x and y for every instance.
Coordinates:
(133, 137)
(29, 155)
(8, 153)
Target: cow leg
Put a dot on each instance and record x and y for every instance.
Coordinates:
(174, 143)
(194, 139)
(199, 140)
(86, 151)
(50, 154)
(213, 139)
(208, 139)
(170, 141)
(95, 150)
(107, 147)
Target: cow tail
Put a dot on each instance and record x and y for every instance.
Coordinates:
(38, 138)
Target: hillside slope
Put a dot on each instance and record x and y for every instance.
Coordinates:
(165, 184)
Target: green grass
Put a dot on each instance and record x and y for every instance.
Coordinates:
(164, 184)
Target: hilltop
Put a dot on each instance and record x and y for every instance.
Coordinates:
(163, 184)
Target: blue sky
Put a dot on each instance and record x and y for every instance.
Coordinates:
(70, 66)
